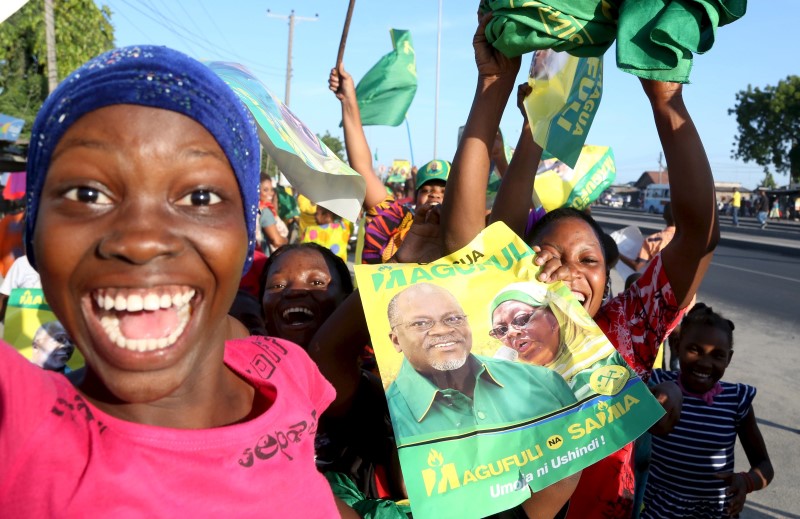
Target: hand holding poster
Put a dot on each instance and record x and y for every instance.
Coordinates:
(312, 168)
(476, 431)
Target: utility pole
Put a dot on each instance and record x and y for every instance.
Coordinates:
(50, 40)
(436, 100)
(660, 166)
(292, 18)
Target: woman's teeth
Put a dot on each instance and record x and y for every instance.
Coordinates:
(114, 303)
(298, 309)
(137, 302)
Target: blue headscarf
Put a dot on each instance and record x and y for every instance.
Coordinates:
(155, 77)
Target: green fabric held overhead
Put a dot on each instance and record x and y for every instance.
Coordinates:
(656, 39)
(387, 89)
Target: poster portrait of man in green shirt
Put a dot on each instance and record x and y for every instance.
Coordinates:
(442, 389)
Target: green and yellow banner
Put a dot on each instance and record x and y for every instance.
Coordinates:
(558, 185)
(498, 385)
(311, 167)
(565, 95)
(34, 331)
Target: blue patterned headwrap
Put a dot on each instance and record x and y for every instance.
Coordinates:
(155, 77)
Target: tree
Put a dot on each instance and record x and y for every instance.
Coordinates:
(769, 126)
(82, 31)
(334, 143)
(769, 181)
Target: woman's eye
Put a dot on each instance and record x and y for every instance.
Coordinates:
(87, 195)
(200, 197)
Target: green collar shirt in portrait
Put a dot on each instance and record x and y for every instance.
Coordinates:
(505, 392)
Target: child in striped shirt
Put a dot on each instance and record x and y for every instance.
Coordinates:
(691, 472)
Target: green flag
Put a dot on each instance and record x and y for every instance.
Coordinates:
(387, 89)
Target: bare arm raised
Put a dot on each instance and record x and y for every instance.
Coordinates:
(355, 142)
(463, 209)
(514, 200)
(691, 183)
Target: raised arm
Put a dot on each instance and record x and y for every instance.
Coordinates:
(355, 142)
(514, 198)
(463, 209)
(691, 184)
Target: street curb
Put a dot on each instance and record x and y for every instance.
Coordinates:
(760, 243)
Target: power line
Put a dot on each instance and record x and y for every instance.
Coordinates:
(166, 24)
(189, 37)
(211, 18)
(189, 16)
(147, 37)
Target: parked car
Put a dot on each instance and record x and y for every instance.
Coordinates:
(656, 197)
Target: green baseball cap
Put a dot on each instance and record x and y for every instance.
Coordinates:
(433, 170)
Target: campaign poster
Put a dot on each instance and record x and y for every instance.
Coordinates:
(311, 167)
(565, 95)
(401, 167)
(10, 127)
(498, 385)
(558, 185)
(34, 331)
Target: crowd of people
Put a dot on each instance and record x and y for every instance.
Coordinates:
(228, 363)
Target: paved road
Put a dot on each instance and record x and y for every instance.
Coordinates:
(754, 280)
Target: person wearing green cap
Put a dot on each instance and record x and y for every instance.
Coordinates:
(389, 222)
(540, 326)
(387, 219)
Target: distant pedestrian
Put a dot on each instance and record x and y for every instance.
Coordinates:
(691, 469)
(775, 212)
(761, 207)
(736, 203)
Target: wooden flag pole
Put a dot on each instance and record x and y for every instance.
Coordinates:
(346, 29)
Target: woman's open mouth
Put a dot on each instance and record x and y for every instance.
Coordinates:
(297, 316)
(143, 319)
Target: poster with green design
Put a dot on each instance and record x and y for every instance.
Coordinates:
(564, 98)
(32, 328)
(498, 385)
(311, 167)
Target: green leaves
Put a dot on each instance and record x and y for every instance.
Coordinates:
(82, 31)
(769, 124)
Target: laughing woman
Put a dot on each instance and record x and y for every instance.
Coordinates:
(302, 286)
(143, 196)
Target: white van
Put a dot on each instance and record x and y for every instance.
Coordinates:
(656, 197)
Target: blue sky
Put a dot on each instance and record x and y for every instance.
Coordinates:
(760, 49)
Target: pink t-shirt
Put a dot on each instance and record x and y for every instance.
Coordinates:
(62, 457)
